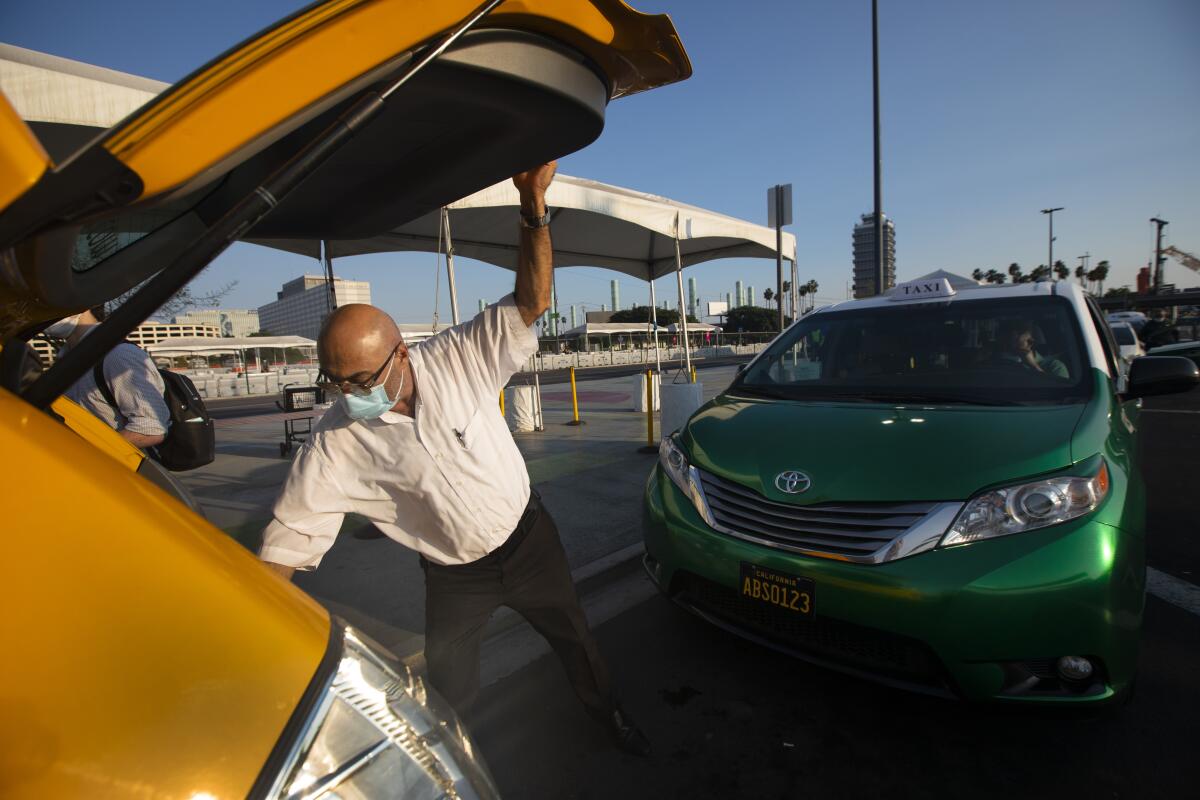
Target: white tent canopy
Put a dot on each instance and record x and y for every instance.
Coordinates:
(608, 329)
(201, 345)
(595, 225)
(46, 88)
(693, 327)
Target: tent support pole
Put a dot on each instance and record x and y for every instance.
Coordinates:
(794, 295)
(653, 302)
(687, 347)
(327, 262)
(654, 324)
(450, 266)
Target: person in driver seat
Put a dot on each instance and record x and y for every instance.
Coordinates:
(1016, 347)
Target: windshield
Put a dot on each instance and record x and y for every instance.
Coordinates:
(987, 352)
(1124, 334)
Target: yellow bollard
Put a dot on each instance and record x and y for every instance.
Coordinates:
(502, 403)
(574, 400)
(693, 374)
(650, 447)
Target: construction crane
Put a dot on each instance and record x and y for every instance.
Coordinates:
(1187, 259)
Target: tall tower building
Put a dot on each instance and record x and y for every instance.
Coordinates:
(864, 256)
(750, 296)
(616, 295)
(739, 294)
(692, 307)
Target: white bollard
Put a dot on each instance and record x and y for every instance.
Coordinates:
(639, 393)
(679, 401)
(519, 408)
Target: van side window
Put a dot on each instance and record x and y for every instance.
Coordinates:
(1107, 343)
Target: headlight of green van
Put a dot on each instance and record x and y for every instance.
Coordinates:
(675, 464)
(1028, 506)
(376, 732)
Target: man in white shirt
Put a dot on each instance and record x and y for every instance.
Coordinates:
(418, 446)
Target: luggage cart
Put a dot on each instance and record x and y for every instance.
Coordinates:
(296, 430)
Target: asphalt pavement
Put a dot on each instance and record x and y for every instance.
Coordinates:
(729, 719)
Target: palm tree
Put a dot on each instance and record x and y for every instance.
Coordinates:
(812, 293)
(1081, 273)
(994, 276)
(803, 292)
(769, 295)
(977, 275)
(1014, 270)
(1061, 270)
(1101, 274)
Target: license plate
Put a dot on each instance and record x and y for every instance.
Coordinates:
(788, 592)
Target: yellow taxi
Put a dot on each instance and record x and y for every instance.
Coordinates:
(147, 653)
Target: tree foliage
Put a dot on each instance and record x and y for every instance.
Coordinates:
(665, 316)
(751, 319)
(181, 302)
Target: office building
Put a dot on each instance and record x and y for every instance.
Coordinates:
(235, 322)
(864, 256)
(155, 332)
(302, 305)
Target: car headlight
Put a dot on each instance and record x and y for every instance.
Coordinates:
(675, 464)
(377, 732)
(1028, 506)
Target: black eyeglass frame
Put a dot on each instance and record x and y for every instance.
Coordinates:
(360, 389)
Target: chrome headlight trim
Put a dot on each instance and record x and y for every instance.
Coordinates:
(371, 707)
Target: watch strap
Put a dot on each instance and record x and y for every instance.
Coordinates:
(531, 222)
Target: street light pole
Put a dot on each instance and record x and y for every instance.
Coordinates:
(879, 275)
(1050, 212)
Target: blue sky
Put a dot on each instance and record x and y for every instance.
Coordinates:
(991, 111)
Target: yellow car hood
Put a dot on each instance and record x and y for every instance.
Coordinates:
(147, 654)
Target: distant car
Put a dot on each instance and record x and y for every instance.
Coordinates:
(1186, 349)
(1127, 340)
(1135, 318)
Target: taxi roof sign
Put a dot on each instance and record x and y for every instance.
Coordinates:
(922, 289)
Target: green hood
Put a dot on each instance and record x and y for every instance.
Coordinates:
(876, 452)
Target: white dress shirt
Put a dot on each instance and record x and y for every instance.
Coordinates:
(447, 482)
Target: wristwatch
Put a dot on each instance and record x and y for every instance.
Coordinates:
(530, 222)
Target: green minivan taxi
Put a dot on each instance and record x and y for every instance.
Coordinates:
(936, 488)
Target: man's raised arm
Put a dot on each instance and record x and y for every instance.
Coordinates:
(535, 259)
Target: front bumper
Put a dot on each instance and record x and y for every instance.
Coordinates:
(984, 621)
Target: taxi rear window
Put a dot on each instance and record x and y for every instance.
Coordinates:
(986, 352)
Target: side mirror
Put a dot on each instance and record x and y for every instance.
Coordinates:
(1154, 375)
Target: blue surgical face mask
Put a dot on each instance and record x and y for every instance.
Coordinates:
(375, 404)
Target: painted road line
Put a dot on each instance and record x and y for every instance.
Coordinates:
(1174, 590)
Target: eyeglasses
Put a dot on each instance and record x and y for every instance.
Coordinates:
(329, 384)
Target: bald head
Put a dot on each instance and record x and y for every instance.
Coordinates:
(355, 340)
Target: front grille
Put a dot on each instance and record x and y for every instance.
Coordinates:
(839, 643)
(844, 529)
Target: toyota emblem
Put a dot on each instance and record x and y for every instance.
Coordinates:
(793, 482)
